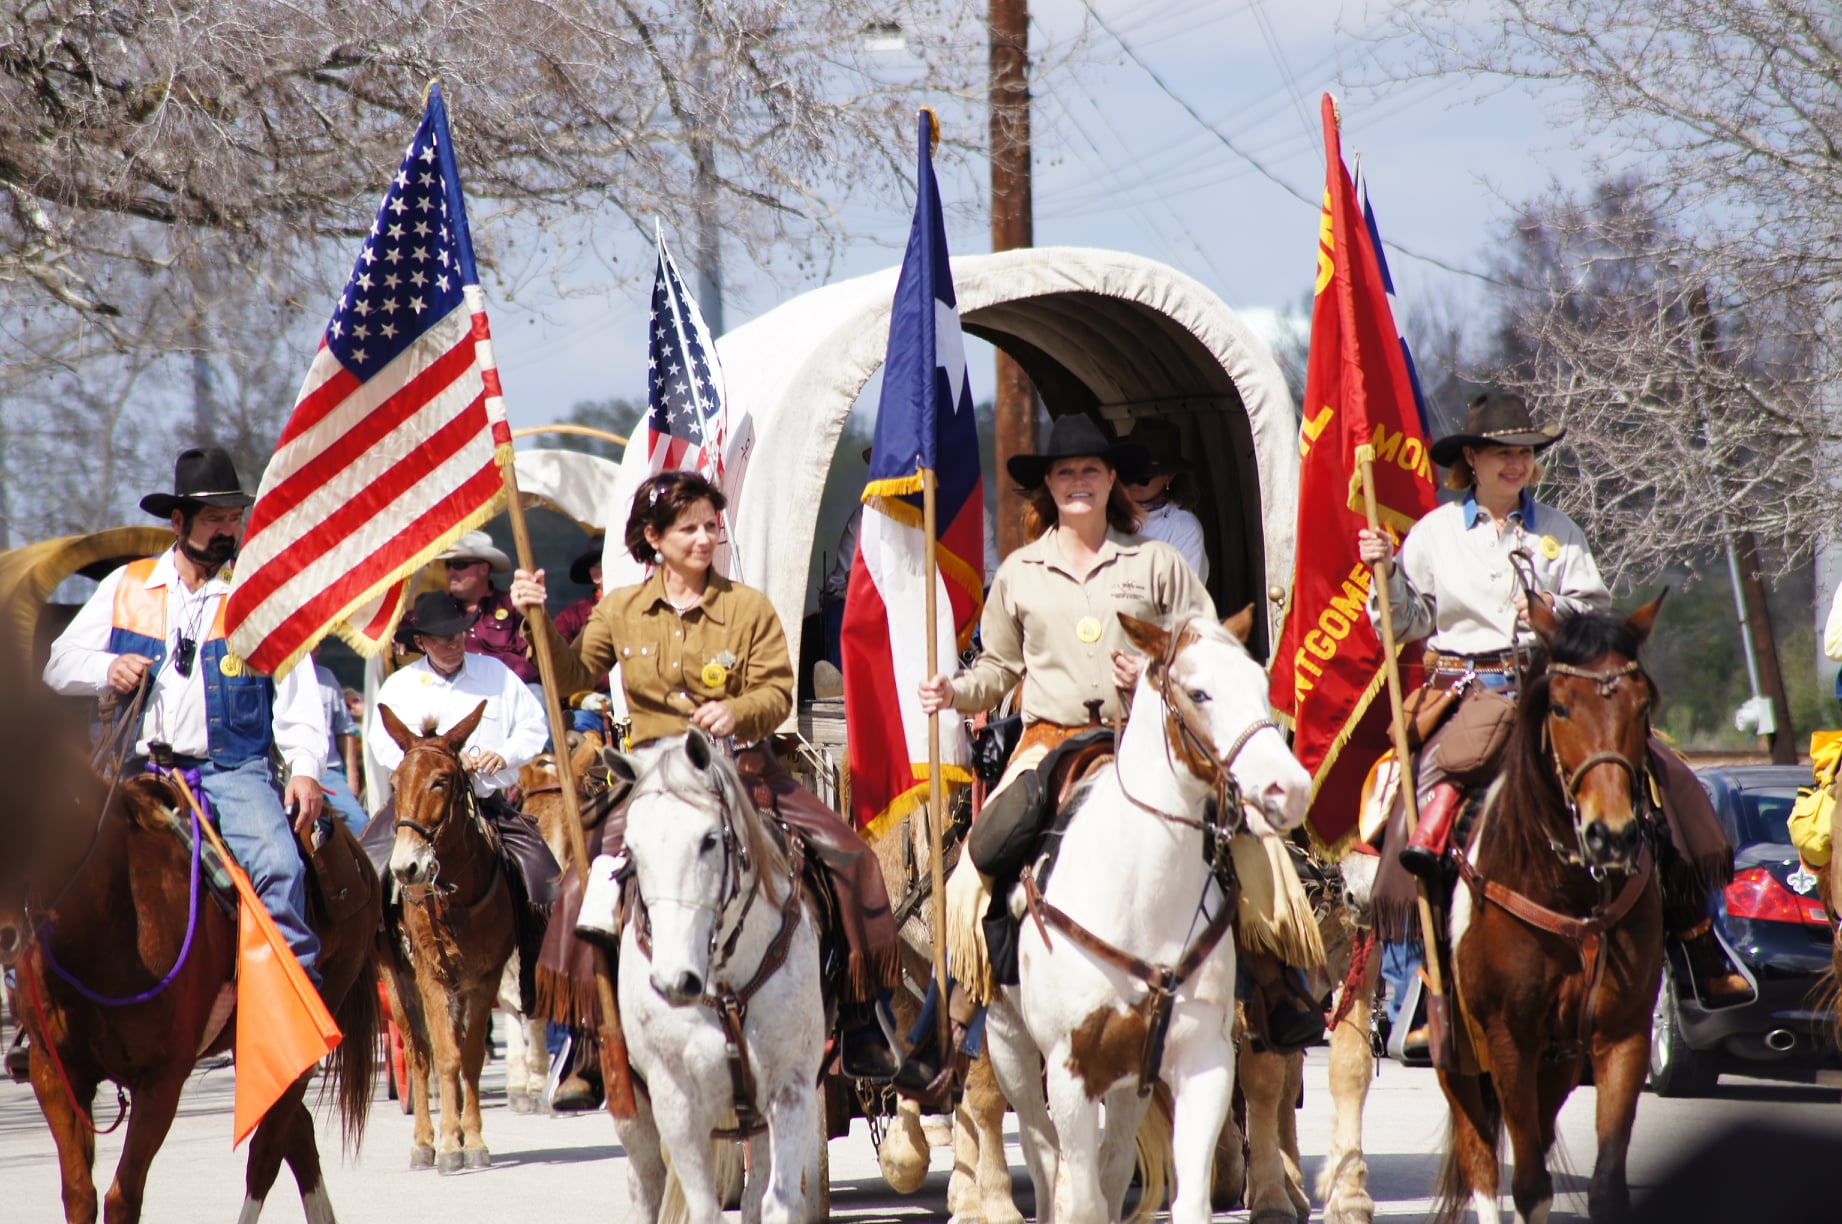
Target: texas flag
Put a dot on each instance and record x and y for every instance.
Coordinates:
(924, 423)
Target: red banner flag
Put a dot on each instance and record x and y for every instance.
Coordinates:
(1359, 404)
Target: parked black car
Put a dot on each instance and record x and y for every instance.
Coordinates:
(1772, 916)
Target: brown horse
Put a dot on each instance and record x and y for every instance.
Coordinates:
(1557, 923)
(449, 941)
(117, 907)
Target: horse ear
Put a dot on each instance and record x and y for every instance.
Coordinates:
(1542, 619)
(394, 727)
(1644, 619)
(456, 736)
(1148, 637)
(622, 769)
(697, 748)
(1241, 623)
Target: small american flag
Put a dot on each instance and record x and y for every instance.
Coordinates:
(687, 421)
(397, 440)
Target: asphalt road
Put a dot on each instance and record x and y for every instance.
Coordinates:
(571, 1168)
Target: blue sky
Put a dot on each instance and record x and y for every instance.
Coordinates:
(1120, 163)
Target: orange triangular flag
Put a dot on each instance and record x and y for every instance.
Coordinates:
(282, 1026)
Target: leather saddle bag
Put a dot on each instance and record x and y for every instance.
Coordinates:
(344, 880)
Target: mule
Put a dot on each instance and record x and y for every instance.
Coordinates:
(1557, 924)
(449, 941)
(719, 989)
(1126, 977)
(126, 973)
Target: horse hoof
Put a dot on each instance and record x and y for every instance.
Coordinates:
(1275, 1215)
(448, 1162)
(422, 1157)
(523, 1103)
(1353, 1213)
(477, 1158)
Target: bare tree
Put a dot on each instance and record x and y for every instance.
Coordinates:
(1691, 397)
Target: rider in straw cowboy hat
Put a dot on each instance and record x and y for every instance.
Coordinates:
(1456, 586)
(160, 621)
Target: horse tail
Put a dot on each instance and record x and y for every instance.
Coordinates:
(1152, 1147)
(1452, 1190)
(352, 1071)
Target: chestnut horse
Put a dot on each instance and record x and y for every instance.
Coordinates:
(449, 940)
(1557, 923)
(126, 974)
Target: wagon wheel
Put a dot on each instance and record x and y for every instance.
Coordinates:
(818, 1176)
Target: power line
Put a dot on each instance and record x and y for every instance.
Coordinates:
(1261, 167)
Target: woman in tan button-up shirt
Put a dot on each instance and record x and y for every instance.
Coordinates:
(1051, 619)
(696, 649)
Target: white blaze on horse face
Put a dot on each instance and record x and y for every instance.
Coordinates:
(412, 858)
(676, 848)
(1234, 687)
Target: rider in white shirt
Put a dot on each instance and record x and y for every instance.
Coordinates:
(1166, 487)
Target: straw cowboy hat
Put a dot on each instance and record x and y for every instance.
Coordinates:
(202, 476)
(1071, 437)
(478, 546)
(1495, 419)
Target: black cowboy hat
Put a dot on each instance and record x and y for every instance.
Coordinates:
(436, 614)
(591, 556)
(1071, 437)
(202, 476)
(1163, 443)
(1495, 418)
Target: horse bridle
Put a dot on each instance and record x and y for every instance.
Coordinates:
(1606, 682)
(432, 835)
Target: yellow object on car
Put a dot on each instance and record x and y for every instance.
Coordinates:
(1812, 820)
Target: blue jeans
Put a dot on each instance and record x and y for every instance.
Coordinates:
(250, 816)
(340, 800)
(1400, 961)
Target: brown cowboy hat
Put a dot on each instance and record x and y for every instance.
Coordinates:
(1495, 418)
(1163, 443)
(1071, 437)
(202, 476)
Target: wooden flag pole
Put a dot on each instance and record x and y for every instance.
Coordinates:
(1410, 798)
(936, 805)
(617, 1084)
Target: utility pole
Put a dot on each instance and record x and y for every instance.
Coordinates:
(1756, 636)
(707, 250)
(1012, 226)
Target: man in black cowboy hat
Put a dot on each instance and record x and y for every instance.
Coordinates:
(438, 690)
(159, 622)
(585, 570)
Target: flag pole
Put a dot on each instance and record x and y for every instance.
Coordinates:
(614, 1078)
(936, 807)
(1410, 798)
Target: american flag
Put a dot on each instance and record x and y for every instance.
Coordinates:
(687, 421)
(397, 440)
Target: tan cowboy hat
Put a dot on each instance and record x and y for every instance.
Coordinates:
(478, 546)
(1495, 418)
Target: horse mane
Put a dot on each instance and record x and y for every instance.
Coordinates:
(719, 789)
(1580, 638)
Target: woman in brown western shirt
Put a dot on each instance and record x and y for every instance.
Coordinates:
(696, 649)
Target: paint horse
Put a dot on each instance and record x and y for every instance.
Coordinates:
(1126, 956)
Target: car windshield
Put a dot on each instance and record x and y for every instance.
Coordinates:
(1764, 815)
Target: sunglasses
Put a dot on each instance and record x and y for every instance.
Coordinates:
(463, 563)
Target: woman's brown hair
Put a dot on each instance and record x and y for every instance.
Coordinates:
(657, 504)
(1039, 513)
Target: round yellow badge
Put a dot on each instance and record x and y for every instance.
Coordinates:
(714, 675)
(230, 665)
(1550, 547)
(1087, 629)
(501, 614)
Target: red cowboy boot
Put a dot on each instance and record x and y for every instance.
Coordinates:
(1424, 850)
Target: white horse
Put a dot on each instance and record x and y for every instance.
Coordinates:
(719, 990)
(1133, 897)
